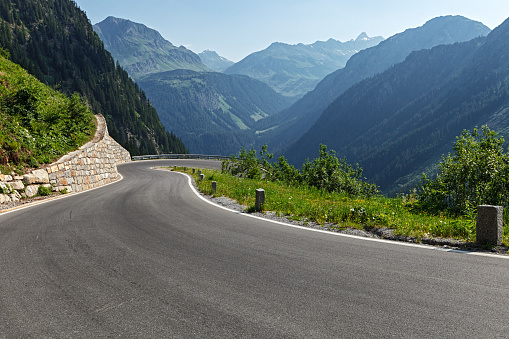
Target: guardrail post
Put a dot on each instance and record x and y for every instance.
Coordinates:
(214, 187)
(489, 225)
(260, 199)
(202, 176)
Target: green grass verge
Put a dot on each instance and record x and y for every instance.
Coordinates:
(304, 203)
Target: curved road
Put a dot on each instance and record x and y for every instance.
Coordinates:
(145, 257)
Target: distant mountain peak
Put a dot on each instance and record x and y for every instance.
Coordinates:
(293, 70)
(362, 37)
(214, 61)
(142, 50)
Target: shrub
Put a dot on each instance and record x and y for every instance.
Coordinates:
(477, 173)
(43, 191)
(326, 173)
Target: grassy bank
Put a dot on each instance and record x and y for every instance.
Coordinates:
(304, 203)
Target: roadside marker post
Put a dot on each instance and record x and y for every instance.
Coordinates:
(489, 227)
(260, 199)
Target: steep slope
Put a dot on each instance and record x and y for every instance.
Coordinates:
(55, 41)
(141, 50)
(212, 112)
(293, 70)
(297, 119)
(214, 61)
(399, 123)
(37, 124)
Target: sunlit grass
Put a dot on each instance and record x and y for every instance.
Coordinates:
(310, 204)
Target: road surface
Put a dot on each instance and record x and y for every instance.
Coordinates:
(145, 257)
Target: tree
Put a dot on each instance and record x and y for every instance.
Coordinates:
(476, 174)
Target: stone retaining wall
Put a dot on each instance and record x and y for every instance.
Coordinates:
(93, 165)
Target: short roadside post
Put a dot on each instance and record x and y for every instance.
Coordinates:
(489, 227)
(202, 176)
(260, 199)
(199, 172)
(193, 170)
(214, 187)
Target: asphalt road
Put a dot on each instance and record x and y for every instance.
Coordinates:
(145, 257)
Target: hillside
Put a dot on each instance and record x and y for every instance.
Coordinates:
(142, 51)
(399, 123)
(212, 112)
(297, 119)
(37, 124)
(55, 41)
(293, 70)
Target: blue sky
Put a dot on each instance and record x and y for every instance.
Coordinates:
(236, 28)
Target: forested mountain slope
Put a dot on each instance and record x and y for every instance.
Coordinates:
(400, 122)
(55, 41)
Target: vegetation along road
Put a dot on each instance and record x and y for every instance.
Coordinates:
(146, 257)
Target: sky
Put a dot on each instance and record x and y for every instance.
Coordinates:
(237, 28)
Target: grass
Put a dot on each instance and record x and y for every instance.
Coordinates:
(340, 211)
(37, 123)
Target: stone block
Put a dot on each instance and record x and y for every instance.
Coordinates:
(17, 185)
(5, 187)
(31, 190)
(489, 226)
(36, 177)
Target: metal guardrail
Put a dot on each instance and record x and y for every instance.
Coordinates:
(178, 156)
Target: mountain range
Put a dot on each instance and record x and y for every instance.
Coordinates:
(398, 123)
(142, 51)
(293, 70)
(55, 42)
(213, 112)
(297, 119)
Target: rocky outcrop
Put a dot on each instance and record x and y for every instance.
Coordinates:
(92, 165)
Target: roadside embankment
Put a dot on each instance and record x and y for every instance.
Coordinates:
(92, 165)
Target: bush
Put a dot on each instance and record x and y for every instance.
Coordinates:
(329, 173)
(326, 173)
(476, 174)
(43, 191)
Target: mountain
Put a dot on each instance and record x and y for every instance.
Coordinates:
(297, 119)
(213, 61)
(55, 42)
(214, 113)
(141, 50)
(293, 70)
(398, 123)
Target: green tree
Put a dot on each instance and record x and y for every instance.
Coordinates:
(329, 173)
(476, 174)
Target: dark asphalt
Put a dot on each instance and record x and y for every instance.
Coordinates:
(145, 257)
